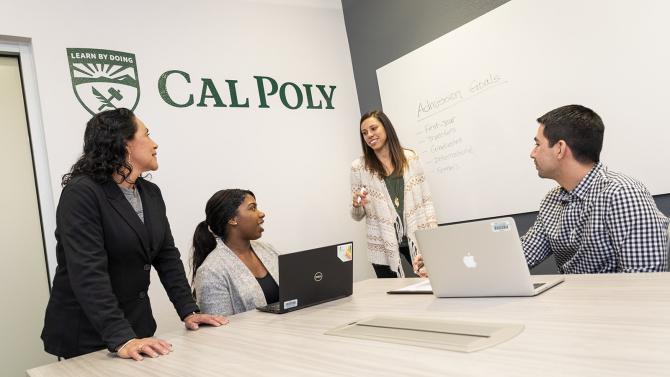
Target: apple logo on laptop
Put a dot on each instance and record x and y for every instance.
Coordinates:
(469, 261)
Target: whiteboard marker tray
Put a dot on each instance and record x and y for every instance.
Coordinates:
(461, 336)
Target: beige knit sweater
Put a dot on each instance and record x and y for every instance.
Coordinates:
(383, 231)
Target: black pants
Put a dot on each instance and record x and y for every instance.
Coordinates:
(384, 272)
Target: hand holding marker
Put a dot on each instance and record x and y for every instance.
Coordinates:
(360, 196)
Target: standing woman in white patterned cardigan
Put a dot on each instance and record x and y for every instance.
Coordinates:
(390, 191)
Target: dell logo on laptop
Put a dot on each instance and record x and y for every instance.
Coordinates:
(318, 276)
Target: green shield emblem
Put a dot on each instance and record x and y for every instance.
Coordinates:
(104, 79)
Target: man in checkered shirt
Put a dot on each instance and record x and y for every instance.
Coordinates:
(596, 221)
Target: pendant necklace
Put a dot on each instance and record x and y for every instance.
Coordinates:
(396, 187)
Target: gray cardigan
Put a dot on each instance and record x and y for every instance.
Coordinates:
(225, 286)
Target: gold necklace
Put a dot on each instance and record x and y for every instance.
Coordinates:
(396, 188)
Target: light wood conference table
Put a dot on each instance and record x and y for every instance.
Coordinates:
(590, 325)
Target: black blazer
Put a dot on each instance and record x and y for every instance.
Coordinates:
(105, 253)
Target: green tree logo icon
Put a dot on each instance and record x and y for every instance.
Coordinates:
(104, 79)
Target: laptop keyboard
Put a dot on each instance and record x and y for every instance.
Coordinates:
(538, 285)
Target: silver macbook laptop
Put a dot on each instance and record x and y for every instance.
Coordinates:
(478, 259)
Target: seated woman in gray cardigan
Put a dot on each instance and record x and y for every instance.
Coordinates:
(232, 272)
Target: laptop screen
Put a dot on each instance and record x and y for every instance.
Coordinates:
(317, 275)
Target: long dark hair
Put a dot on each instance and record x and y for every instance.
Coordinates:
(105, 141)
(398, 158)
(220, 208)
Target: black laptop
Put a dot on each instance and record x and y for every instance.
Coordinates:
(313, 276)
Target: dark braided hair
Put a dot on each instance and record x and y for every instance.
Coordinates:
(220, 208)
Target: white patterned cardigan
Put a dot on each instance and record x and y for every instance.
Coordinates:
(383, 231)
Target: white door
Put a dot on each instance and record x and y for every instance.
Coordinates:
(24, 290)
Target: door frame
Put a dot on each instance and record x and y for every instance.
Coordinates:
(22, 47)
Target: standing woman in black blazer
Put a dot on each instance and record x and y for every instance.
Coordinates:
(111, 229)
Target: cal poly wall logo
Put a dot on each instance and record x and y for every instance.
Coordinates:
(104, 79)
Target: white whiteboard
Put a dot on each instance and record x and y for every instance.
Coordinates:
(467, 102)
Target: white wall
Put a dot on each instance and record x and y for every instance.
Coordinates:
(296, 161)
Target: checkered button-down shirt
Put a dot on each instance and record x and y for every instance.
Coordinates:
(608, 223)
